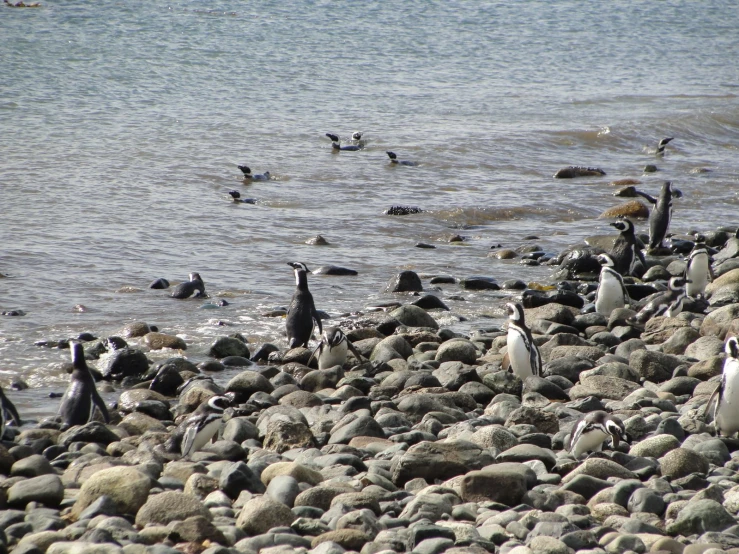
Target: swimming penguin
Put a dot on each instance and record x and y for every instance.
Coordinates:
(333, 348)
(668, 303)
(626, 253)
(661, 146)
(202, 425)
(246, 170)
(523, 354)
(726, 412)
(699, 271)
(302, 311)
(236, 195)
(394, 159)
(611, 293)
(336, 144)
(592, 429)
(194, 288)
(7, 412)
(661, 214)
(81, 397)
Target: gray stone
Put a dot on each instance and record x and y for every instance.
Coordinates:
(603, 387)
(31, 466)
(654, 366)
(126, 487)
(413, 316)
(528, 452)
(457, 350)
(261, 514)
(247, 383)
(700, 517)
(405, 281)
(237, 477)
(169, 506)
(228, 346)
(284, 489)
(646, 500)
(705, 348)
(655, 447)
(504, 486)
(681, 462)
(363, 426)
(545, 422)
(45, 489)
(436, 460)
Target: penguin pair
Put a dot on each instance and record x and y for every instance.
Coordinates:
(698, 271)
(626, 253)
(7, 412)
(246, 170)
(301, 314)
(592, 429)
(81, 397)
(523, 355)
(395, 161)
(668, 303)
(333, 348)
(611, 293)
(194, 288)
(336, 143)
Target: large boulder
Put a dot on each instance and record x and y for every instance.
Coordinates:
(413, 316)
(437, 460)
(45, 489)
(261, 514)
(493, 484)
(127, 487)
(125, 362)
(169, 506)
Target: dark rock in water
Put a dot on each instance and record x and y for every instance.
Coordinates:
(210, 365)
(126, 362)
(263, 352)
(318, 240)
(13, 313)
(402, 210)
(167, 380)
(229, 346)
(334, 270)
(534, 298)
(405, 281)
(236, 361)
(650, 168)
(578, 171)
(160, 283)
(442, 280)
(581, 260)
(513, 284)
(424, 245)
(86, 337)
(116, 343)
(479, 283)
(430, 302)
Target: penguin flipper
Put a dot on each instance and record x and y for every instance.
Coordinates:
(318, 349)
(9, 408)
(648, 197)
(98, 401)
(317, 320)
(717, 391)
(353, 350)
(188, 439)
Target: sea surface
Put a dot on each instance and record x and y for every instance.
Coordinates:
(122, 124)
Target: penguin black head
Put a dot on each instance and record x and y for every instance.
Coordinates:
(196, 277)
(299, 266)
(624, 225)
(246, 170)
(219, 403)
(515, 312)
(606, 260)
(78, 355)
(392, 156)
(700, 239)
(357, 135)
(732, 347)
(334, 336)
(334, 138)
(678, 283)
(235, 194)
(664, 141)
(616, 429)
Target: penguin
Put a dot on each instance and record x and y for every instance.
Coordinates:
(7, 412)
(626, 253)
(246, 170)
(726, 412)
(202, 425)
(302, 313)
(592, 429)
(81, 397)
(661, 214)
(357, 135)
(611, 293)
(395, 161)
(668, 303)
(336, 144)
(698, 271)
(524, 356)
(661, 146)
(236, 195)
(194, 288)
(333, 348)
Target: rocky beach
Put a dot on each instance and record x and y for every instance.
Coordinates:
(427, 444)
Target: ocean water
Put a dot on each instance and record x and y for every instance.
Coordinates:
(123, 123)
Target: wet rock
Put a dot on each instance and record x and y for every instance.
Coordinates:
(405, 281)
(632, 209)
(228, 346)
(578, 171)
(413, 316)
(125, 362)
(157, 341)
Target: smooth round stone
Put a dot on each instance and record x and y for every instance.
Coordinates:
(284, 489)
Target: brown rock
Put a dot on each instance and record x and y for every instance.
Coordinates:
(545, 422)
(707, 368)
(283, 435)
(349, 539)
(157, 341)
(625, 182)
(632, 208)
(261, 514)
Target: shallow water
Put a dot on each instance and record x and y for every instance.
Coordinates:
(123, 124)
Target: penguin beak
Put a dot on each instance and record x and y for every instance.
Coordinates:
(615, 441)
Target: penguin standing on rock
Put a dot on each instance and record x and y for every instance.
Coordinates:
(611, 293)
(524, 356)
(7, 412)
(592, 429)
(668, 303)
(81, 398)
(194, 288)
(661, 214)
(698, 272)
(726, 412)
(626, 253)
(333, 348)
(302, 313)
